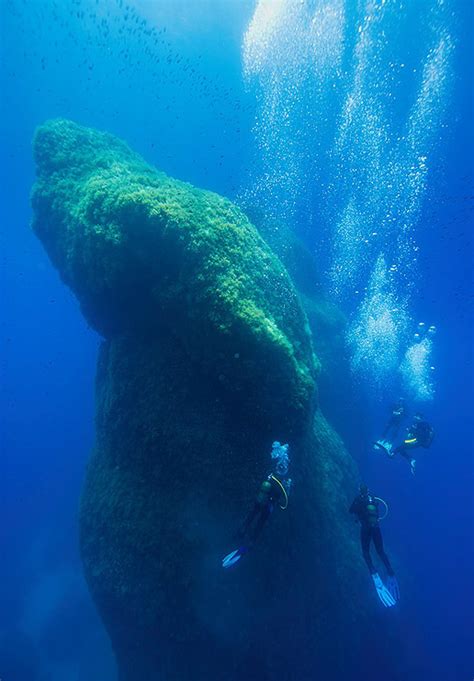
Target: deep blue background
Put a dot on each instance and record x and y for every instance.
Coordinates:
(178, 98)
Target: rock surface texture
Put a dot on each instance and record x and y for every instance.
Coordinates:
(206, 359)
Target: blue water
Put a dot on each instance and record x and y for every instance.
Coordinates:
(356, 129)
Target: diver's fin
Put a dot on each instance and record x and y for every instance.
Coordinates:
(382, 592)
(392, 586)
(384, 446)
(412, 466)
(233, 557)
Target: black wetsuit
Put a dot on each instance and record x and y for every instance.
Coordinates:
(393, 424)
(270, 493)
(420, 435)
(365, 507)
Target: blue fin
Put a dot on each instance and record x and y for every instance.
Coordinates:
(382, 592)
(384, 446)
(234, 556)
(231, 558)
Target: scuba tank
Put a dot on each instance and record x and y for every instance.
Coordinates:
(271, 490)
(264, 493)
(372, 511)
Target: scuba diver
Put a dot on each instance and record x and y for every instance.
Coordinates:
(420, 434)
(366, 507)
(273, 490)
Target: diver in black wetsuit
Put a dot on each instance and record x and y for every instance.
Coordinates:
(420, 434)
(273, 490)
(271, 493)
(366, 507)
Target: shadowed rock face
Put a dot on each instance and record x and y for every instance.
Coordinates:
(207, 358)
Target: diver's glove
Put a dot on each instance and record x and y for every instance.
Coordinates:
(233, 557)
(382, 592)
(392, 586)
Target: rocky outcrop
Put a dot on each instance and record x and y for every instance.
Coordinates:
(143, 251)
(207, 357)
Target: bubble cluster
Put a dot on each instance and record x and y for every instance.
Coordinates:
(417, 371)
(281, 457)
(376, 334)
(382, 151)
(328, 70)
(291, 53)
(388, 195)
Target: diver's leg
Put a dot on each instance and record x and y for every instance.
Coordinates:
(399, 450)
(244, 528)
(365, 537)
(264, 514)
(410, 458)
(405, 451)
(378, 543)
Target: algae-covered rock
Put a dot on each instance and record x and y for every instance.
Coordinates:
(142, 250)
(206, 359)
(337, 393)
(292, 251)
(326, 320)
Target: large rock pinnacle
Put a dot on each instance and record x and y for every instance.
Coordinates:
(207, 357)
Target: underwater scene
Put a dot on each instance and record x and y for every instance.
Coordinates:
(236, 349)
